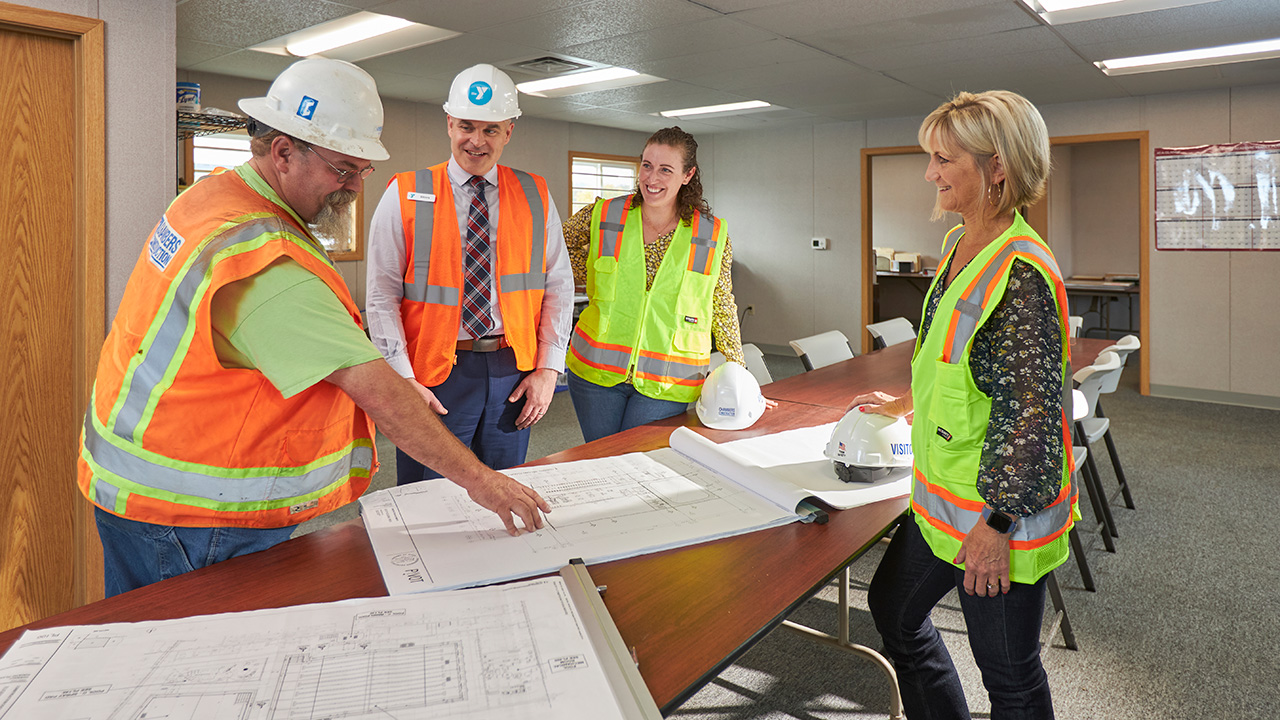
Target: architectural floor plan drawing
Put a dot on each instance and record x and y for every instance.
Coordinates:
(516, 651)
(430, 536)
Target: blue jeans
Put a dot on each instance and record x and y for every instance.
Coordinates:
(480, 416)
(603, 411)
(1004, 634)
(135, 553)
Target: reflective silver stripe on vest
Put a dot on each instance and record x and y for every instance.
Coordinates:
(666, 368)
(420, 291)
(611, 224)
(104, 494)
(1033, 527)
(970, 306)
(704, 243)
(163, 348)
(535, 278)
(615, 360)
(270, 486)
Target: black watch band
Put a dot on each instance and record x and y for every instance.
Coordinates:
(998, 521)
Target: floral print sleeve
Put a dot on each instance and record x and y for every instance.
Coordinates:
(1016, 360)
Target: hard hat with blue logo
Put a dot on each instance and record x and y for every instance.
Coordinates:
(325, 102)
(483, 93)
(866, 446)
(730, 398)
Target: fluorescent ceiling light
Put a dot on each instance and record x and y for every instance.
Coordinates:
(1221, 55)
(1061, 12)
(726, 109)
(585, 82)
(356, 37)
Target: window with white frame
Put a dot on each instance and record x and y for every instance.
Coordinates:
(225, 150)
(593, 175)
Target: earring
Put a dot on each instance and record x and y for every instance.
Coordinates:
(994, 192)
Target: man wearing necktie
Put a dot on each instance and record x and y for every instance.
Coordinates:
(469, 287)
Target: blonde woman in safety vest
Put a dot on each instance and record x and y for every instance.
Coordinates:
(992, 499)
(656, 267)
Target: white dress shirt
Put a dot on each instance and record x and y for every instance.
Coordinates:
(388, 257)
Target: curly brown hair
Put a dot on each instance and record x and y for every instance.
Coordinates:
(689, 199)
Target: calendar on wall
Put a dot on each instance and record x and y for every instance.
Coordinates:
(1218, 197)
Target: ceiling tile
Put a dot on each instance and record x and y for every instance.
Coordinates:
(471, 16)
(810, 17)
(191, 52)
(242, 23)
(668, 43)
(735, 61)
(247, 64)
(921, 31)
(597, 20)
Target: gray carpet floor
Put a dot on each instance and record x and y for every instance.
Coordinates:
(1180, 625)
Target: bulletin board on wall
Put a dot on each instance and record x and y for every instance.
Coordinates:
(1218, 197)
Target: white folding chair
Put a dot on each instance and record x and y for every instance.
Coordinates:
(822, 349)
(891, 332)
(1089, 380)
(1074, 323)
(755, 363)
(1103, 377)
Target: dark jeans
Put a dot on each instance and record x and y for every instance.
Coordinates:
(135, 553)
(603, 411)
(475, 394)
(1004, 634)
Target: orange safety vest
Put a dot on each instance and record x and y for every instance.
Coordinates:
(171, 436)
(431, 309)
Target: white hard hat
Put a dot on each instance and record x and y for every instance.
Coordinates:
(730, 398)
(483, 93)
(866, 446)
(330, 103)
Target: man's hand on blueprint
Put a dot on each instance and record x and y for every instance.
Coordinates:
(500, 494)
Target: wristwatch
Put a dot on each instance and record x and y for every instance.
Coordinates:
(998, 521)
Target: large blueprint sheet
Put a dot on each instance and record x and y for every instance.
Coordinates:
(515, 652)
(430, 536)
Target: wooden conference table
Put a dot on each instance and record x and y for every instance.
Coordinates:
(688, 612)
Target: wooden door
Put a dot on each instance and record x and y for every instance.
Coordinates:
(51, 305)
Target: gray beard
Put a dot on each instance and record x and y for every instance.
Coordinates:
(334, 219)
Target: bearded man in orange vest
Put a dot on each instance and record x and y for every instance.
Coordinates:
(470, 292)
(236, 393)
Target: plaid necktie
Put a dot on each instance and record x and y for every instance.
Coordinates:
(476, 276)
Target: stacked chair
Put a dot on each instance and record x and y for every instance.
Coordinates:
(822, 349)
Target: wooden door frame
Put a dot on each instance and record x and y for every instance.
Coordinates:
(1144, 230)
(89, 244)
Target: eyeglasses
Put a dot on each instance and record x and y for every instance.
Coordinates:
(343, 175)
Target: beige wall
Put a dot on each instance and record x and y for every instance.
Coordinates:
(414, 134)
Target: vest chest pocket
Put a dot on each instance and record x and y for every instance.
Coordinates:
(693, 342)
(605, 278)
(958, 417)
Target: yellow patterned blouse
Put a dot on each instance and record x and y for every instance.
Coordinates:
(725, 333)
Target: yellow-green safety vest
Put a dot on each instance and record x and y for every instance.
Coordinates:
(952, 414)
(662, 337)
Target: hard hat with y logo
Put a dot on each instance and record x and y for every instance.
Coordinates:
(483, 93)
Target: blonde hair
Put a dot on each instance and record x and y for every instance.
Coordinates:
(987, 124)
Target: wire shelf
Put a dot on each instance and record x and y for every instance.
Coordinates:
(192, 124)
